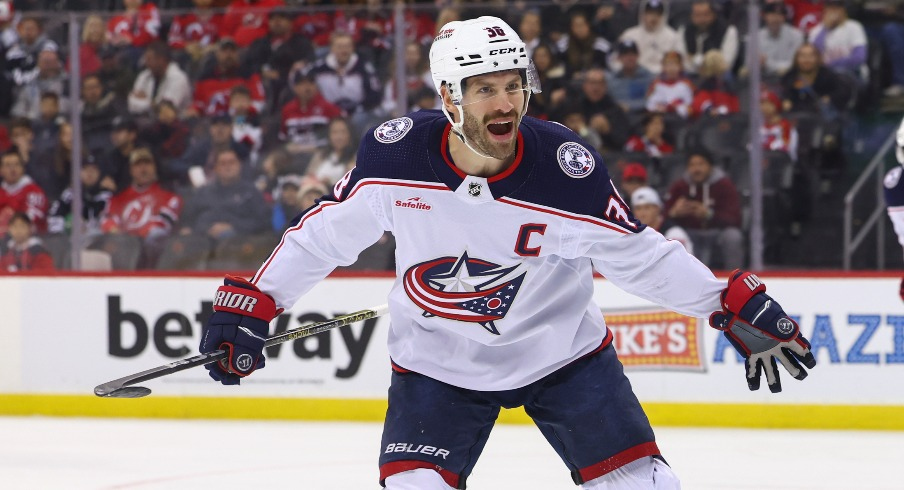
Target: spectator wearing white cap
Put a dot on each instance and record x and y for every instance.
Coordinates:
(647, 207)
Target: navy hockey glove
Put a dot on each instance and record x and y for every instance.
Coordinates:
(761, 331)
(239, 325)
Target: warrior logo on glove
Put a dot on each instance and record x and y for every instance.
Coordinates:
(758, 327)
(239, 326)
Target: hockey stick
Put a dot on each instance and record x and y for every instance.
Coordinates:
(122, 387)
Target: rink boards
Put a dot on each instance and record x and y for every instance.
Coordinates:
(61, 336)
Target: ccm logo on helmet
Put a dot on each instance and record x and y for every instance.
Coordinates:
(503, 51)
(226, 299)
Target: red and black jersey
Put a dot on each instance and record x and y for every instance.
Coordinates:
(142, 211)
(212, 90)
(246, 20)
(141, 27)
(307, 125)
(190, 28)
(29, 256)
(642, 144)
(23, 197)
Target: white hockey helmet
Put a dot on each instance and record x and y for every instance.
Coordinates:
(899, 143)
(473, 47)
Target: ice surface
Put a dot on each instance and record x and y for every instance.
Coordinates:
(78, 453)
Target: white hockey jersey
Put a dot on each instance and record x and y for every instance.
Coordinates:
(494, 275)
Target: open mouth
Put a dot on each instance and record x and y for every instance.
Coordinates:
(501, 128)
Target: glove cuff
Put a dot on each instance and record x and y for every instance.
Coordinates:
(741, 287)
(243, 298)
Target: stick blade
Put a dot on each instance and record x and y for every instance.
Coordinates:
(125, 392)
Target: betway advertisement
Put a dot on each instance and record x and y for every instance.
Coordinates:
(65, 335)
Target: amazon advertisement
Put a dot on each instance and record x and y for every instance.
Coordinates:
(65, 335)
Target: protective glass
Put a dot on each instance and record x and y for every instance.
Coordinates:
(514, 91)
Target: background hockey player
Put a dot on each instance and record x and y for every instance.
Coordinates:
(894, 193)
(500, 221)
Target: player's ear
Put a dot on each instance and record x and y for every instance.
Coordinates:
(447, 100)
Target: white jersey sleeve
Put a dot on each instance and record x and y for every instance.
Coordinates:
(329, 234)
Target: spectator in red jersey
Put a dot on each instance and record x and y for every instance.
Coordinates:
(228, 205)
(94, 37)
(19, 193)
(246, 20)
(134, 28)
(316, 25)
(706, 203)
(347, 80)
(652, 142)
(218, 77)
(715, 95)
(778, 133)
(671, 92)
(196, 32)
(305, 119)
(162, 79)
(23, 251)
(805, 14)
(279, 52)
(144, 209)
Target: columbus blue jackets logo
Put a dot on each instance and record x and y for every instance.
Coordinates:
(393, 130)
(575, 160)
(464, 289)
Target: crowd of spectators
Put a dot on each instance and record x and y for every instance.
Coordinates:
(227, 119)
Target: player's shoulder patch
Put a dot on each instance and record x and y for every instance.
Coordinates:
(576, 161)
(892, 177)
(393, 130)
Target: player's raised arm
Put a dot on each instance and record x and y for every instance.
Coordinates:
(642, 262)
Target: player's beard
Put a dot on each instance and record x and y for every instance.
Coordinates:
(476, 134)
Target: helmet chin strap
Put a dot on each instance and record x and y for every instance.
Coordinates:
(459, 131)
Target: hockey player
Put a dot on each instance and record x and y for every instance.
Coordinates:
(500, 221)
(894, 193)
